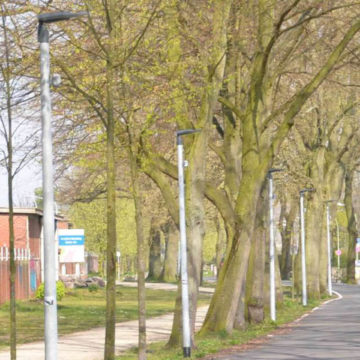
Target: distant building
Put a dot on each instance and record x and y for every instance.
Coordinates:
(28, 250)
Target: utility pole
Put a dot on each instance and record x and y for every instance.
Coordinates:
(303, 252)
(183, 244)
(329, 244)
(50, 258)
(272, 245)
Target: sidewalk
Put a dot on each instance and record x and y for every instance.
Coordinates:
(89, 345)
(331, 332)
(164, 286)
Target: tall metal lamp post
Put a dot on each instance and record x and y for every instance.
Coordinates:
(272, 245)
(50, 304)
(329, 244)
(183, 257)
(338, 251)
(303, 252)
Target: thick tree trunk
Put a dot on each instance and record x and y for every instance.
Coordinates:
(314, 217)
(255, 279)
(155, 265)
(196, 172)
(352, 229)
(334, 180)
(286, 234)
(224, 303)
(220, 245)
(278, 284)
(171, 234)
(176, 330)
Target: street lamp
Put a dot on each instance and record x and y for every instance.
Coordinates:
(272, 245)
(50, 305)
(329, 244)
(303, 253)
(182, 220)
(338, 252)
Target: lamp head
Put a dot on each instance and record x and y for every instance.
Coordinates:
(269, 173)
(306, 190)
(180, 133)
(59, 16)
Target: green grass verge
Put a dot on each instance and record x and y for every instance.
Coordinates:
(287, 312)
(82, 310)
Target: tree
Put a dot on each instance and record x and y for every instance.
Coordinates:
(263, 129)
(17, 94)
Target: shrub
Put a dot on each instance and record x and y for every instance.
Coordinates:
(93, 287)
(60, 291)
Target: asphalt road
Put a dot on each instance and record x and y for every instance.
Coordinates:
(331, 332)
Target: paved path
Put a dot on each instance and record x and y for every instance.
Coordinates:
(89, 345)
(331, 332)
(164, 286)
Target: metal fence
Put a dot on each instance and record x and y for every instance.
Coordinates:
(27, 274)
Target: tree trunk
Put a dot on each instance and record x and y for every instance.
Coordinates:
(141, 253)
(334, 180)
(220, 245)
(169, 273)
(255, 279)
(176, 330)
(225, 300)
(352, 229)
(196, 172)
(314, 220)
(10, 177)
(111, 207)
(285, 258)
(111, 243)
(155, 266)
(278, 284)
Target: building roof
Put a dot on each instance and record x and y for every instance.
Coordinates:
(30, 211)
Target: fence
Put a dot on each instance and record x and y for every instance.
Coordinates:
(27, 274)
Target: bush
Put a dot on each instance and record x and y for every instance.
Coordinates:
(60, 291)
(93, 287)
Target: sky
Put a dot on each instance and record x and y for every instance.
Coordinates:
(25, 183)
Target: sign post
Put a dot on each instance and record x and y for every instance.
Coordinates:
(71, 245)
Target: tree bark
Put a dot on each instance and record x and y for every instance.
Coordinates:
(352, 229)
(169, 273)
(286, 234)
(196, 154)
(10, 177)
(314, 217)
(109, 353)
(141, 251)
(255, 279)
(220, 245)
(155, 265)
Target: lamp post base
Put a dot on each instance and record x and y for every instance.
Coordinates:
(187, 352)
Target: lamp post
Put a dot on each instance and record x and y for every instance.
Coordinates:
(303, 253)
(329, 245)
(272, 246)
(338, 253)
(183, 257)
(50, 305)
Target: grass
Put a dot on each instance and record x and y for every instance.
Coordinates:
(82, 310)
(287, 312)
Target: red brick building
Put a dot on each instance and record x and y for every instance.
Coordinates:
(28, 250)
